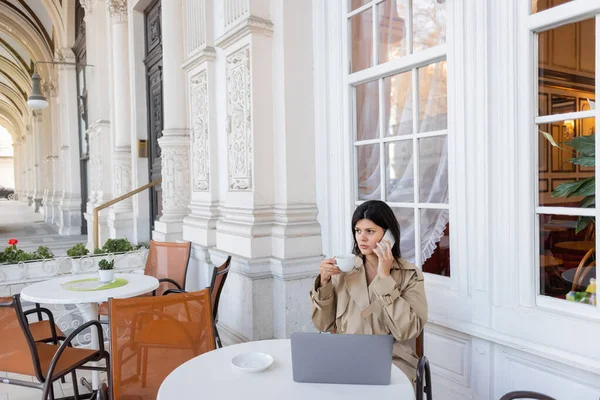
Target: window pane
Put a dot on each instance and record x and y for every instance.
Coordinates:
(369, 178)
(567, 67)
(406, 220)
(397, 91)
(564, 257)
(433, 109)
(433, 170)
(435, 242)
(367, 110)
(541, 5)
(393, 16)
(429, 24)
(399, 171)
(566, 175)
(361, 40)
(354, 4)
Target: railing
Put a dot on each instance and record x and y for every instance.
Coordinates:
(115, 201)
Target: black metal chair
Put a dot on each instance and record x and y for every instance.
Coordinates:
(523, 394)
(424, 385)
(217, 282)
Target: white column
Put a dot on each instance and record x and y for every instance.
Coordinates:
(48, 169)
(53, 159)
(30, 162)
(38, 155)
(70, 201)
(296, 233)
(200, 226)
(17, 161)
(98, 54)
(268, 218)
(121, 214)
(174, 143)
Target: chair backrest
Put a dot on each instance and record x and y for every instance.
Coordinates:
(423, 383)
(18, 351)
(168, 260)
(525, 395)
(420, 345)
(217, 283)
(153, 335)
(583, 269)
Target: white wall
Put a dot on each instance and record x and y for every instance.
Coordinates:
(487, 332)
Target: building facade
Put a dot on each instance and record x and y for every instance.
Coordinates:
(267, 121)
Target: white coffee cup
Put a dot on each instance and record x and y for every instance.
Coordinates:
(345, 262)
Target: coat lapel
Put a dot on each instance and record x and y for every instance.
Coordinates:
(356, 283)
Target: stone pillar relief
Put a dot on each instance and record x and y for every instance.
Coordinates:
(117, 10)
(175, 170)
(122, 176)
(239, 127)
(199, 138)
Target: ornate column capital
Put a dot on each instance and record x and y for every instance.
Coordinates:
(117, 10)
(65, 54)
(88, 6)
(49, 88)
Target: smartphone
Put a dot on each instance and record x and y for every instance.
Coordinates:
(390, 237)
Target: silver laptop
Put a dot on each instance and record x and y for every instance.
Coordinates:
(343, 359)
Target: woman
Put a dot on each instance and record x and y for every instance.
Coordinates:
(383, 295)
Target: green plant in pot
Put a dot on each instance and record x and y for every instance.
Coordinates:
(106, 271)
(78, 251)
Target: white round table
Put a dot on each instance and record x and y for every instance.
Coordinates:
(212, 375)
(51, 292)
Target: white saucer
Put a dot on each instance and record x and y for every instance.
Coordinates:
(252, 362)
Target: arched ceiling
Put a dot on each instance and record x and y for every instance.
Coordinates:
(30, 31)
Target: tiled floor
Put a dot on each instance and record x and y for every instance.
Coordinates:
(19, 221)
(13, 392)
(22, 223)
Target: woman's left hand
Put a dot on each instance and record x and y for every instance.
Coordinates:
(385, 256)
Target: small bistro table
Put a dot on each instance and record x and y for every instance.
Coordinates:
(52, 292)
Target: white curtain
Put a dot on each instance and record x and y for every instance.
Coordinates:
(433, 152)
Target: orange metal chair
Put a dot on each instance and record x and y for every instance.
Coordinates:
(21, 354)
(43, 330)
(216, 287)
(168, 262)
(153, 335)
(217, 282)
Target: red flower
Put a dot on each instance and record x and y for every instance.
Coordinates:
(13, 242)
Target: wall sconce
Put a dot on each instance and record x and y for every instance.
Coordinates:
(569, 125)
(37, 101)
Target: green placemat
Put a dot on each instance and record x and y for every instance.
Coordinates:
(92, 284)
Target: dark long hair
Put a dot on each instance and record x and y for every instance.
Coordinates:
(382, 215)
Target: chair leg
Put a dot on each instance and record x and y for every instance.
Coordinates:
(218, 338)
(75, 385)
(51, 390)
(144, 366)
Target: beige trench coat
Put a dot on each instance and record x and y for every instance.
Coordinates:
(395, 305)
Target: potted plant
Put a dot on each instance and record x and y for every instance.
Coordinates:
(78, 251)
(106, 271)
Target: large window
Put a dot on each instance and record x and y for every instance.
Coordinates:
(397, 76)
(566, 123)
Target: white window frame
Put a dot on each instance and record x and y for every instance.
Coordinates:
(376, 71)
(564, 14)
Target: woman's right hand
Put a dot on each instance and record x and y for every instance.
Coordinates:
(328, 269)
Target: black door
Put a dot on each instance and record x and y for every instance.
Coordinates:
(154, 88)
(84, 155)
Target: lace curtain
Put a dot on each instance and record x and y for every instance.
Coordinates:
(398, 121)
